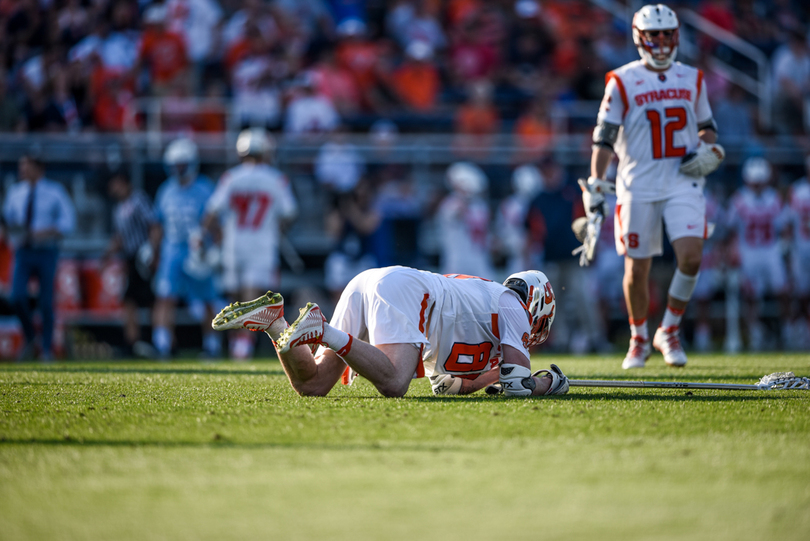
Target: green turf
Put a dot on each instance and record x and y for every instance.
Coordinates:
(103, 451)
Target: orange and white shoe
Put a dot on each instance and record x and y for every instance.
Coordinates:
(256, 315)
(638, 353)
(306, 330)
(667, 342)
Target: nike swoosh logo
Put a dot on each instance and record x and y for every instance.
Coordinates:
(639, 82)
(692, 226)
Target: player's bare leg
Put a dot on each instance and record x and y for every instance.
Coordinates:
(637, 297)
(688, 253)
(389, 367)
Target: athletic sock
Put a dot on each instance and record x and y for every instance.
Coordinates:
(638, 328)
(672, 317)
(277, 327)
(162, 340)
(336, 339)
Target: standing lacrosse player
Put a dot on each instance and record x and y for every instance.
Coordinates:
(248, 209)
(655, 116)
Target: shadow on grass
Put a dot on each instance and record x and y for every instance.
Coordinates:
(648, 395)
(222, 442)
(134, 370)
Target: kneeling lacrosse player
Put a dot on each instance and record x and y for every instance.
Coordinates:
(396, 323)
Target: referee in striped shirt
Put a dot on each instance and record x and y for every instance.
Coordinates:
(133, 218)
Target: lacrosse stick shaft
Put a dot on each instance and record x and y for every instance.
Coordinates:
(660, 384)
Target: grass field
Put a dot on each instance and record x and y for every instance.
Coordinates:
(108, 451)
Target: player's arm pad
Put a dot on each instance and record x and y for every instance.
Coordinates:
(705, 159)
(708, 125)
(445, 384)
(516, 380)
(605, 134)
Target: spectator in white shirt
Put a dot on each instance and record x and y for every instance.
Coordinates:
(791, 70)
(309, 112)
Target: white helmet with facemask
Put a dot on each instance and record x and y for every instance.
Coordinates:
(182, 159)
(534, 291)
(656, 35)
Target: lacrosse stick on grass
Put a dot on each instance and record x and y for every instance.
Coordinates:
(778, 381)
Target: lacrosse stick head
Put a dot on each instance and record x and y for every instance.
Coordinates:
(587, 230)
(783, 381)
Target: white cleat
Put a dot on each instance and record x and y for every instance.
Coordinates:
(306, 330)
(638, 353)
(667, 342)
(256, 315)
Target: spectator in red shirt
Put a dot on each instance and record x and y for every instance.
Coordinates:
(476, 121)
(416, 82)
(361, 57)
(163, 52)
(471, 56)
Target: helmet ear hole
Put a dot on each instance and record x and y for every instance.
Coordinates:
(520, 287)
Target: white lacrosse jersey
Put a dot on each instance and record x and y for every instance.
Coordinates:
(757, 219)
(252, 200)
(659, 114)
(799, 205)
(464, 235)
(471, 321)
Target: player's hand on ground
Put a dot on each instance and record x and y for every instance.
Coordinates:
(705, 159)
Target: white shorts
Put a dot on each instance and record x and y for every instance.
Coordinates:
(255, 274)
(638, 226)
(384, 306)
(763, 271)
(800, 269)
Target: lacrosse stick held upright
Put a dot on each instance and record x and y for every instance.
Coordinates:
(587, 228)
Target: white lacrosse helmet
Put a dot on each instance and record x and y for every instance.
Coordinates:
(527, 181)
(467, 178)
(656, 35)
(182, 158)
(535, 292)
(756, 170)
(255, 142)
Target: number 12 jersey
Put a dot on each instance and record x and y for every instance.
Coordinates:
(659, 114)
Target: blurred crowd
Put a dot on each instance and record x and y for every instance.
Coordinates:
(469, 67)
(301, 66)
(203, 243)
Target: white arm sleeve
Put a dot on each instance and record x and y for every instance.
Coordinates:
(612, 108)
(288, 206)
(219, 199)
(703, 111)
(513, 322)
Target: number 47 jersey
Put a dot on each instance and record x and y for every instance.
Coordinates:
(251, 201)
(659, 114)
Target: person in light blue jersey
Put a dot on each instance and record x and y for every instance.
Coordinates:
(38, 213)
(181, 271)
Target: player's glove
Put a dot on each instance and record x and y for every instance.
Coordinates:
(593, 194)
(703, 160)
(559, 382)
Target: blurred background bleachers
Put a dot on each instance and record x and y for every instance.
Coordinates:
(392, 92)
